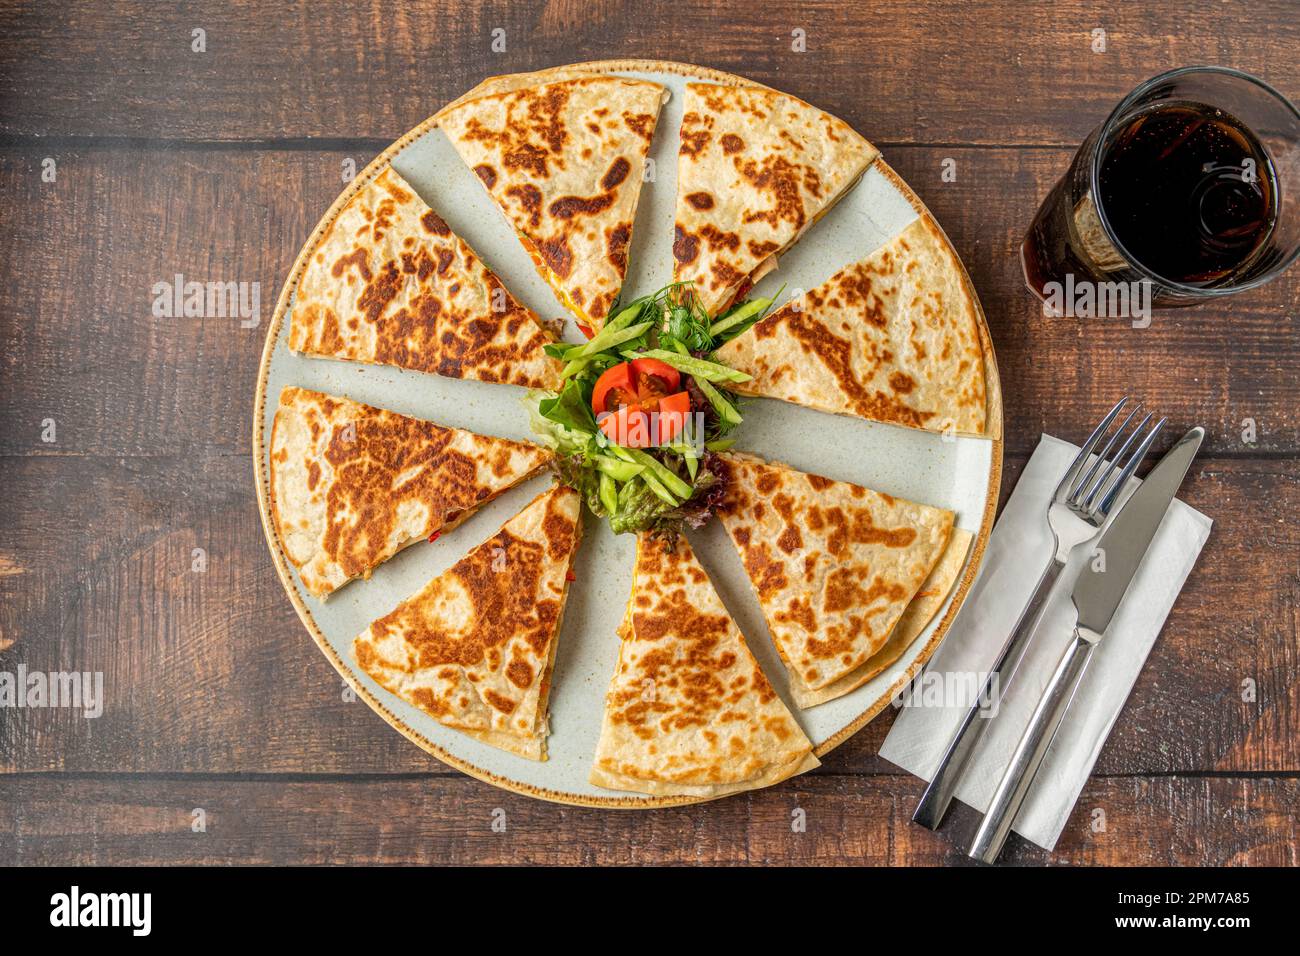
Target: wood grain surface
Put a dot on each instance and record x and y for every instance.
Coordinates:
(216, 166)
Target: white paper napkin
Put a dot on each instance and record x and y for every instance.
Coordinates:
(1017, 550)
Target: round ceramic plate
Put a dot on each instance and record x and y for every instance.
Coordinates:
(961, 475)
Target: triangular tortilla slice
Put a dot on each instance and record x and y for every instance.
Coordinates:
(756, 168)
(352, 485)
(565, 160)
(689, 711)
(834, 564)
(934, 592)
(893, 338)
(391, 284)
(475, 647)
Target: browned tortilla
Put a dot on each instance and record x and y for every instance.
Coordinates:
(756, 168)
(834, 564)
(892, 338)
(689, 711)
(564, 159)
(352, 485)
(390, 284)
(475, 647)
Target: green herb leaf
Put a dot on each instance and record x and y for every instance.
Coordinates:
(570, 408)
(607, 338)
(712, 371)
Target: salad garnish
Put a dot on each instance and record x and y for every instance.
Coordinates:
(644, 409)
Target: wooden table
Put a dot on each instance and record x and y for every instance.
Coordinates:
(216, 165)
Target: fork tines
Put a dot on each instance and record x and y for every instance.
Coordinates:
(1092, 493)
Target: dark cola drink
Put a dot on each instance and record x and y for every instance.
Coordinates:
(1189, 193)
(1175, 196)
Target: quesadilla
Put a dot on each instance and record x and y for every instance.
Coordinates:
(755, 169)
(915, 619)
(689, 711)
(475, 647)
(390, 284)
(834, 564)
(892, 338)
(564, 160)
(352, 485)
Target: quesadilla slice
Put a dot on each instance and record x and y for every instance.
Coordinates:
(756, 168)
(352, 485)
(834, 564)
(564, 159)
(390, 284)
(915, 619)
(474, 648)
(893, 338)
(689, 711)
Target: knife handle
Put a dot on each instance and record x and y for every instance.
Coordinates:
(1015, 782)
(943, 785)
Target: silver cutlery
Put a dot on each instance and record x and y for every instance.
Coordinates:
(1096, 595)
(1080, 505)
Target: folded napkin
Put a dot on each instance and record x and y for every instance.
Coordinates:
(1017, 550)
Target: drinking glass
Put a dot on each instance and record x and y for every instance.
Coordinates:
(1074, 240)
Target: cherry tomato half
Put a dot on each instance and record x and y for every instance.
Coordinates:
(632, 383)
(654, 377)
(649, 423)
(629, 426)
(671, 416)
(615, 378)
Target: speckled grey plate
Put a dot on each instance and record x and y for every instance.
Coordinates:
(962, 475)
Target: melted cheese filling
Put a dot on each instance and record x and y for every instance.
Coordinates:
(770, 263)
(556, 286)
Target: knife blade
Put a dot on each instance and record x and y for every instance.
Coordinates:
(1097, 594)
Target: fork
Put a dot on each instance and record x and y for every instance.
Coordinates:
(1083, 500)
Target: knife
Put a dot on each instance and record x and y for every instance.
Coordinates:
(1096, 595)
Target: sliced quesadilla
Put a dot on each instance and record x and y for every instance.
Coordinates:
(475, 647)
(390, 284)
(834, 564)
(352, 485)
(564, 159)
(893, 338)
(755, 169)
(689, 711)
(915, 619)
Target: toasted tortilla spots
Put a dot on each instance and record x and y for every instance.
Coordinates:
(834, 564)
(352, 485)
(756, 168)
(475, 647)
(689, 711)
(893, 338)
(922, 609)
(565, 160)
(390, 284)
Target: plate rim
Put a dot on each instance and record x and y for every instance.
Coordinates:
(993, 425)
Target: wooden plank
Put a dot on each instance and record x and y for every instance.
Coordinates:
(89, 354)
(202, 670)
(211, 672)
(73, 820)
(113, 377)
(954, 73)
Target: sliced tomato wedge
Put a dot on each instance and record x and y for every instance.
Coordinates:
(616, 378)
(638, 404)
(647, 424)
(654, 377)
(630, 426)
(671, 416)
(634, 383)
